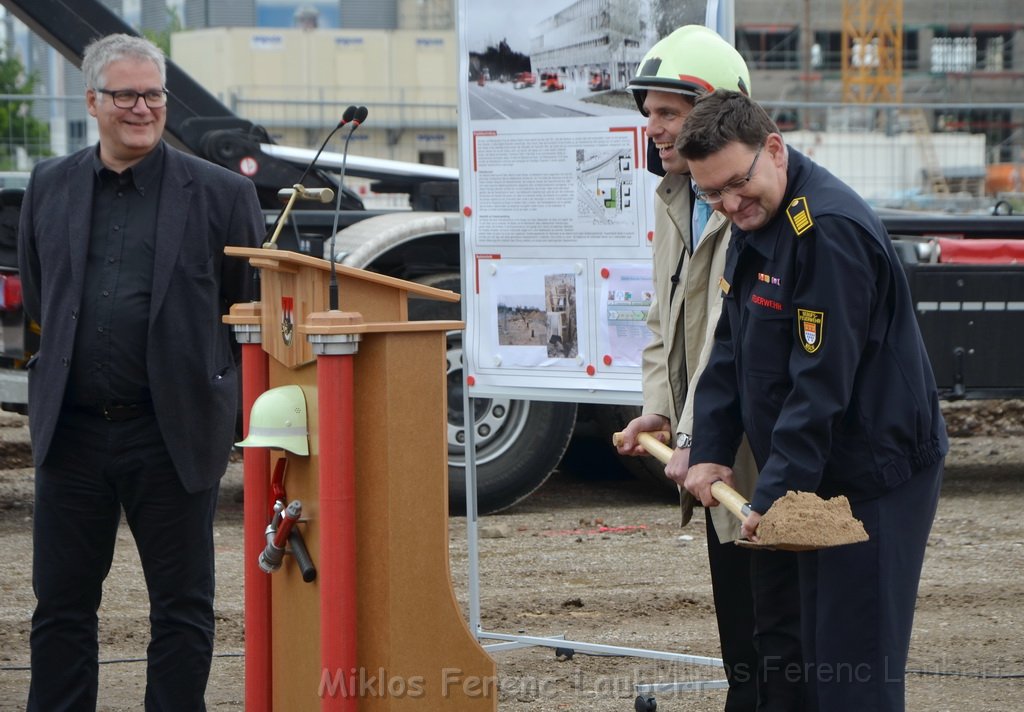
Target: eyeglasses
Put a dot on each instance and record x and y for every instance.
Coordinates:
(715, 196)
(128, 98)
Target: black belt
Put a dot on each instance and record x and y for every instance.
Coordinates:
(118, 412)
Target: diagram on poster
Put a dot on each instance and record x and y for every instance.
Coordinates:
(558, 188)
(604, 180)
(622, 331)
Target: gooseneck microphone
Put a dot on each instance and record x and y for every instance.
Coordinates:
(346, 118)
(318, 193)
(358, 117)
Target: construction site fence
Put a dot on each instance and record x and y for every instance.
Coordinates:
(948, 156)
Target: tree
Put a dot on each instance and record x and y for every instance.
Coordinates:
(18, 128)
(667, 15)
(502, 61)
(162, 38)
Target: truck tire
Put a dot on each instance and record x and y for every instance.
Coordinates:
(518, 443)
(613, 418)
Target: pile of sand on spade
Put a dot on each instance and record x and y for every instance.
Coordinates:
(806, 520)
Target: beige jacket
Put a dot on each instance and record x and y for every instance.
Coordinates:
(674, 358)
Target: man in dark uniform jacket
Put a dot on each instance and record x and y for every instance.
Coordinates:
(818, 359)
(134, 391)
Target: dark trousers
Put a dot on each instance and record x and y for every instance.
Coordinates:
(759, 644)
(776, 584)
(95, 468)
(858, 600)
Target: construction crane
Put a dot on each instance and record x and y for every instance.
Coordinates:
(872, 51)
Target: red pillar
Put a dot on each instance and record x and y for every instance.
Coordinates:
(257, 509)
(337, 566)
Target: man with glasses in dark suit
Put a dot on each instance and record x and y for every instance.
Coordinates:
(133, 393)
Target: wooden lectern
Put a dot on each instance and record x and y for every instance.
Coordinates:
(379, 628)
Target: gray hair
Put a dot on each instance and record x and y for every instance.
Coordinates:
(113, 48)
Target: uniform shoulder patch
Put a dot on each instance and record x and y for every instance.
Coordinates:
(811, 327)
(799, 215)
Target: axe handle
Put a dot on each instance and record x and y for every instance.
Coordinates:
(730, 498)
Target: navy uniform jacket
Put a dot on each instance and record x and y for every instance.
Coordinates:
(817, 355)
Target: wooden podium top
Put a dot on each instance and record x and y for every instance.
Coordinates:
(291, 262)
(294, 286)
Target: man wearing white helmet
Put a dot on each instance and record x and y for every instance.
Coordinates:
(689, 256)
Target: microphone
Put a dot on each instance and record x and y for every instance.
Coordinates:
(350, 114)
(346, 118)
(358, 117)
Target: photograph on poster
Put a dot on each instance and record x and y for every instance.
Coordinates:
(522, 321)
(529, 314)
(538, 58)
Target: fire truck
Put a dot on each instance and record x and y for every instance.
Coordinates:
(966, 273)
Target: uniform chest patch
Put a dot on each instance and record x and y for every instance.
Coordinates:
(799, 215)
(811, 325)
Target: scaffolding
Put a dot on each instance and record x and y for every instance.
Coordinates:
(935, 181)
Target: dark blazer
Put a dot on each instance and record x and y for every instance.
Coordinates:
(192, 372)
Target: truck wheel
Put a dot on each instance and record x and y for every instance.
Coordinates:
(613, 418)
(518, 443)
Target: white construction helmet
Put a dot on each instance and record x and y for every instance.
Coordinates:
(278, 419)
(693, 60)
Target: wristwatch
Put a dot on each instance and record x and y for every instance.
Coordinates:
(683, 440)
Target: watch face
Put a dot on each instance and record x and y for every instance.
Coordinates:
(683, 440)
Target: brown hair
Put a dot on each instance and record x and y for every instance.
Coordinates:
(720, 118)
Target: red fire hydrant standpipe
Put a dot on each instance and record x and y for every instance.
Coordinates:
(258, 642)
(338, 571)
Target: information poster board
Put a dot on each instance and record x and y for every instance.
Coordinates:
(556, 198)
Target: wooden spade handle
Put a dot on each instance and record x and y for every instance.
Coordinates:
(730, 498)
(651, 444)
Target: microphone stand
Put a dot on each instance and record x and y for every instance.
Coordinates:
(332, 290)
(346, 118)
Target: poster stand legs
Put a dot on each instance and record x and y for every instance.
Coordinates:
(512, 642)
